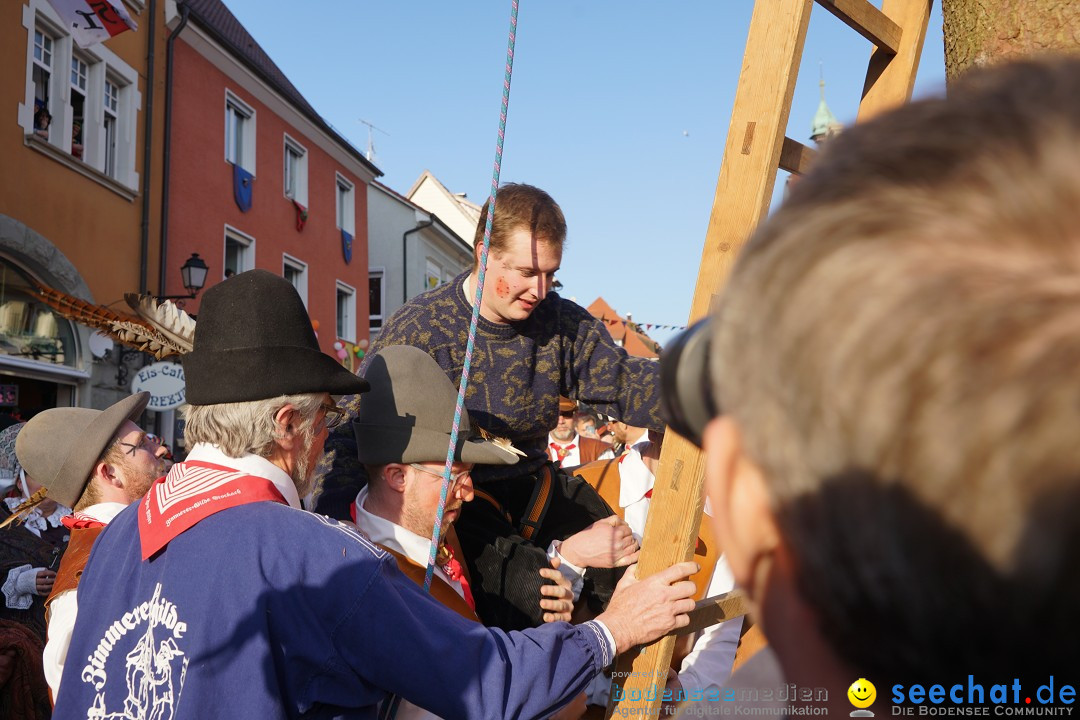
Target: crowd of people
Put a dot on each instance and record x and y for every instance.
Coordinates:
(891, 475)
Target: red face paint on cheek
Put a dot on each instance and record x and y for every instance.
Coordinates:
(502, 288)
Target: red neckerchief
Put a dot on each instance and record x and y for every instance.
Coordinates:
(562, 450)
(191, 492)
(78, 521)
(446, 562)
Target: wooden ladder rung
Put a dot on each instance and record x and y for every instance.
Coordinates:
(796, 157)
(868, 21)
(710, 611)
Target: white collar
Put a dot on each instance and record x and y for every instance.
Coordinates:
(635, 478)
(102, 512)
(33, 520)
(251, 465)
(640, 443)
(383, 532)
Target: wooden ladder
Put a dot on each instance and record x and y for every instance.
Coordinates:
(756, 146)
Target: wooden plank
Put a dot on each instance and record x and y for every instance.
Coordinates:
(714, 610)
(868, 21)
(890, 77)
(759, 117)
(796, 157)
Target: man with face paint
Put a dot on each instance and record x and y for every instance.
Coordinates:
(531, 347)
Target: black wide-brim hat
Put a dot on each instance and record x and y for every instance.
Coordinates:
(254, 341)
(408, 415)
(59, 447)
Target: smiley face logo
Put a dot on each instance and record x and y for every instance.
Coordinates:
(862, 693)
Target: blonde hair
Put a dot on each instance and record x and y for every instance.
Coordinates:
(520, 206)
(899, 344)
(245, 428)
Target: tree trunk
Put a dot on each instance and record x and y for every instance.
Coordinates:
(982, 32)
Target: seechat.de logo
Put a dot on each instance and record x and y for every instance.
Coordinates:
(1052, 697)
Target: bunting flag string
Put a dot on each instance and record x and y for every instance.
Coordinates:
(636, 326)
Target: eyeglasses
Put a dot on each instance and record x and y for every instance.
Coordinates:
(334, 415)
(455, 478)
(566, 414)
(145, 439)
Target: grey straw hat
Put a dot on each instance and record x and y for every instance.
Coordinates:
(407, 415)
(58, 448)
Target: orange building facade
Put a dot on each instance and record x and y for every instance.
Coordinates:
(80, 197)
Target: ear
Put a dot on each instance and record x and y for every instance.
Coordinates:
(394, 477)
(106, 474)
(742, 511)
(286, 421)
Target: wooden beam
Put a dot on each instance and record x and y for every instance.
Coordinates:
(714, 610)
(796, 157)
(890, 76)
(755, 136)
(868, 21)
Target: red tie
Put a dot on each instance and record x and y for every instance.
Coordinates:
(453, 570)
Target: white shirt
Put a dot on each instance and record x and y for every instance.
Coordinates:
(63, 610)
(573, 455)
(391, 535)
(383, 532)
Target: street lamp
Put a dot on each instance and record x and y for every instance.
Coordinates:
(193, 272)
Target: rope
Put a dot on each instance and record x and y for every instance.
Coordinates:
(437, 530)
(394, 702)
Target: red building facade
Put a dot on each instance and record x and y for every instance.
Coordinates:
(243, 137)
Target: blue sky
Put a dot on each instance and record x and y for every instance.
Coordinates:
(618, 109)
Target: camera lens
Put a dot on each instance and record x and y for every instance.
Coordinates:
(685, 388)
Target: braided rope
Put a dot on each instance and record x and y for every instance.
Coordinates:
(437, 530)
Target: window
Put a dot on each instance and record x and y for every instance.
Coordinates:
(295, 272)
(79, 73)
(432, 276)
(295, 171)
(29, 329)
(111, 102)
(42, 79)
(239, 133)
(346, 215)
(346, 312)
(239, 252)
(375, 300)
(80, 104)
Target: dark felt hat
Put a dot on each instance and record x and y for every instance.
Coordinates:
(58, 448)
(254, 341)
(409, 412)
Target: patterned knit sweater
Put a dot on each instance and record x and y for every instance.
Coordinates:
(517, 373)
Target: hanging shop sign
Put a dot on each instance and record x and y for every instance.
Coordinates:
(165, 383)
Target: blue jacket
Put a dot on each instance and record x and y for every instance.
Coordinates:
(265, 611)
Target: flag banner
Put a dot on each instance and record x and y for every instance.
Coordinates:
(346, 246)
(242, 188)
(93, 21)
